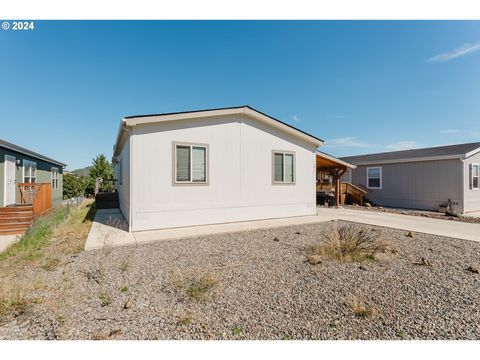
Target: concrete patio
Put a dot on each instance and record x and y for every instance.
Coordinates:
(110, 228)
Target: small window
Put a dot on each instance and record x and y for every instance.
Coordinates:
(347, 176)
(29, 171)
(474, 176)
(54, 177)
(374, 177)
(191, 164)
(283, 167)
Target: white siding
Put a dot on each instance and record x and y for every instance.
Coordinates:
(124, 187)
(471, 197)
(240, 174)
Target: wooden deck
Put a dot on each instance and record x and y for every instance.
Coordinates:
(33, 199)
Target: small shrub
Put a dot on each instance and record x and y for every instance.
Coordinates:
(124, 289)
(360, 308)
(348, 243)
(104, 299)
(237, 330)
(196, 286)
(124, 266)
(13, 303)
(401, 334)
(51, 264)
(184, 320)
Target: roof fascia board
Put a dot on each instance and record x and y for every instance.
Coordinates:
(471, 153)
(428, 158)
(332, 158)
(275, 123)
(221, 112)
(33, 154)
(180, 116)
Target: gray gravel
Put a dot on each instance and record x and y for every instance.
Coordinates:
(264, 290)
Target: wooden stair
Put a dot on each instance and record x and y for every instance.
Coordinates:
(15, 220)
(106, 200)
(352, 193)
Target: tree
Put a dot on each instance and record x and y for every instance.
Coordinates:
(101, 169)
(73, 186)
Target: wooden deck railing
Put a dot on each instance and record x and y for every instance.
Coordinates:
(38, 195)
(356, 193)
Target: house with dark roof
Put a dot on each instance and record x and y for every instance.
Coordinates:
(30, 184)
(421, 178)
(212, 166)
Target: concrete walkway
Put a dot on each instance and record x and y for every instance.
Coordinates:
(448, 228)
(6, 241)
(110, 228)
(103, 233)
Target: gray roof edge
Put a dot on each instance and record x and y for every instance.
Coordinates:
(22, 150)
(461, 151)
(404, 160)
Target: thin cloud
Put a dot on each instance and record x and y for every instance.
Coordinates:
(295, 118)
(463, 50)
(403, 145)
(350, 141)
(450, 131)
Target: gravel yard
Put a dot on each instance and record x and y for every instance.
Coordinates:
(249, 286)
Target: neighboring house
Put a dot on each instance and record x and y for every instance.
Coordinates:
(421, 178)
(30, 184)
(212, 166)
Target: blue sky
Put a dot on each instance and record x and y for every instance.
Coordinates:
(362, 86)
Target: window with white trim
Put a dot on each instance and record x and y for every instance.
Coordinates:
(374, 177)
(54, 177)
(474, 176)
(283, 167)
(191, 164)
(29, 171)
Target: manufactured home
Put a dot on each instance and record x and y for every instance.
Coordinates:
(421, 178)
(212, 166)
(30, 183)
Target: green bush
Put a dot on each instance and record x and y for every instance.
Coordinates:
(73, 186)
(102, 169)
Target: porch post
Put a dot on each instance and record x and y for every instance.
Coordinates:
(336, 178)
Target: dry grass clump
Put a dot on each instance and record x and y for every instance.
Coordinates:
(361, 308)
(45, 247)
(12, 302)
(197, 285)
(348, 243)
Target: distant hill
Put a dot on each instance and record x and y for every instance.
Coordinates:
(86, 170)
(82, 172)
